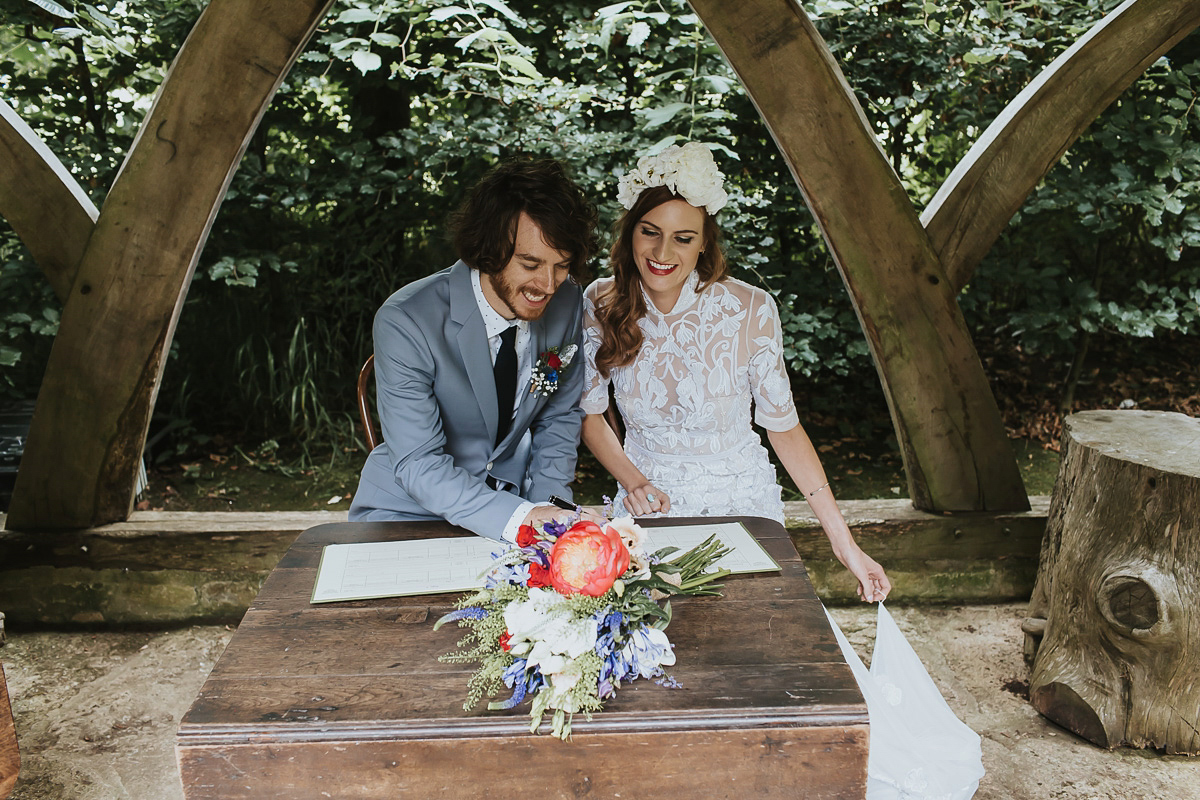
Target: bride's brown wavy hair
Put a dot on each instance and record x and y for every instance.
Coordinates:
(619, 308)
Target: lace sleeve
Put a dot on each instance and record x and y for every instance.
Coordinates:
(595, 386)
(773, 405)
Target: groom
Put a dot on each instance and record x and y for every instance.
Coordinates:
(477, 399)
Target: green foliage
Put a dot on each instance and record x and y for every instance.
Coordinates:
(396, 108)
(1107, 241)
(1108, 244)
(28, 321)
(83, 78)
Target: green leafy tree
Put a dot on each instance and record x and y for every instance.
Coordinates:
(397, 108)
(82, 77)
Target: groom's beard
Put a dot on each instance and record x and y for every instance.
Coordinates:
(510, 295)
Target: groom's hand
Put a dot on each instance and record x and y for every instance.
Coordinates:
(540, 515)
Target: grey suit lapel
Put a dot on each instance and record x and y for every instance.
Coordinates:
(473, 346)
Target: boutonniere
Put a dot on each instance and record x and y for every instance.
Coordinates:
(547, 369)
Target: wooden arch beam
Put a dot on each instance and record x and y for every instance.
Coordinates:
(93, 410)
(956, 453)
(1011, 157)
(42, 202)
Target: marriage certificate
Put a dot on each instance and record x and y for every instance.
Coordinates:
(431, 566)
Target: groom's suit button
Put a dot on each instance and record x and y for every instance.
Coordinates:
(489, 466)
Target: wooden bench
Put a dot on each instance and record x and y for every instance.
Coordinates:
(349, 700)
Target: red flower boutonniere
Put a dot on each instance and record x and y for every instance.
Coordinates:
(549, 366)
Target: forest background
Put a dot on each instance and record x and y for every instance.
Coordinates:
(1090, 298)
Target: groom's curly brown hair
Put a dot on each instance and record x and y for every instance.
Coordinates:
(484, 228)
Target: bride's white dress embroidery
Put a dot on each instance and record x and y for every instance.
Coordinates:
(686, 399)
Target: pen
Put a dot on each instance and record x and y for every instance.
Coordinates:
(565, 505)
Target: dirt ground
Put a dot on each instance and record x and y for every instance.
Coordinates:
(96, 713)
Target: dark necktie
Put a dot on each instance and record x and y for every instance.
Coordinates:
(505, 373)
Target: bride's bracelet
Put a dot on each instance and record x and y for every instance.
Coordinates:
(819, 488)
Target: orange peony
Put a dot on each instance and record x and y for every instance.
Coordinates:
(587, 560)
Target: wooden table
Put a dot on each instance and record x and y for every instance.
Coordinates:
(349, 700)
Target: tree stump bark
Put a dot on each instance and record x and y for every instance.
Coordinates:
(1114, 630)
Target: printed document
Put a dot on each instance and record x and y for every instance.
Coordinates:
(431, 566)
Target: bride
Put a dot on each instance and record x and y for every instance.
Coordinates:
(688, 351)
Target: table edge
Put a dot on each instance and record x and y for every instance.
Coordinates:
(209, 735)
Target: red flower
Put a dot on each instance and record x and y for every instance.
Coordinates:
(587, 560)
(539, 576)
(553, 361)
(526, 536)
(504, 638)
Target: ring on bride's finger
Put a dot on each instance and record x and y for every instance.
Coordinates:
(649, 498)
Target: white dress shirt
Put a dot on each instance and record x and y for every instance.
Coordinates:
(494, 324)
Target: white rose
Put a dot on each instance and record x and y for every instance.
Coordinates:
(565, 679)
(697, 178)
(658, 170)
(530, 619)
(690, 171)
(631, 534)
(561, 684)
(547, 662)
(546, 623)
(630, 186)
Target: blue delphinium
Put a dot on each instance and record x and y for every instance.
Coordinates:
(521, 682)
(470, 612)
(608, 645)
(503, 573)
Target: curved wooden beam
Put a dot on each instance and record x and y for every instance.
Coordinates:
(42, 202)
(94, 407)
(956, 453)
(990, 184)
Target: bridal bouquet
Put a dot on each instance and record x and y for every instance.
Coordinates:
(571, 612)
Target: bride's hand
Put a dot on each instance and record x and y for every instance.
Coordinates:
(646, 499)
(873, 583)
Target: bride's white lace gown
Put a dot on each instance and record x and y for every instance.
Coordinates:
(686, 399)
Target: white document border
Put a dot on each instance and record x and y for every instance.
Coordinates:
(371, 570)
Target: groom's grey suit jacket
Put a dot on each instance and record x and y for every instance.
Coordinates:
(437, 407)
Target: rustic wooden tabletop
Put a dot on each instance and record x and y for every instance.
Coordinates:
(351, 699)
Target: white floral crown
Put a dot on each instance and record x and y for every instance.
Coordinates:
(689, 171)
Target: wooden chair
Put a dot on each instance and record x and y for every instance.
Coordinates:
(10, 757)
(364, 405)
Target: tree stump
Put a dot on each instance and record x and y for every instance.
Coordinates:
(1114, 628)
